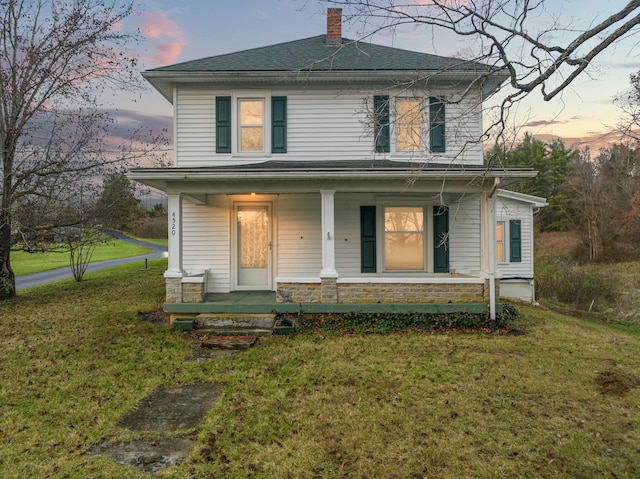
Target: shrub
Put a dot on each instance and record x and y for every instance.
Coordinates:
(150, 227)
(576, 286)
(358, 322)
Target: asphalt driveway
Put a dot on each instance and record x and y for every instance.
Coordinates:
(29, 280)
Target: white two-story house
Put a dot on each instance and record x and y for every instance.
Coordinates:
(330, 171)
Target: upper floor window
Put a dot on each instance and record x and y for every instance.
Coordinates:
(408, 126)
(251, 127)
(411, 124)
(256, 125)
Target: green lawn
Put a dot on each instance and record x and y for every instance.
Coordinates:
(560, 401)
(27, 263)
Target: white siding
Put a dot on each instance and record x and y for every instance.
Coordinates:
(195, 136)
(299, 244)
(321, 125)
(327, 126)
(205, 230)
(463, 129)
(507, 210)
(465, 236)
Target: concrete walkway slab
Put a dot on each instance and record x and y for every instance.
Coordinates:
(172, 408)
(166, 410)
(148, 455)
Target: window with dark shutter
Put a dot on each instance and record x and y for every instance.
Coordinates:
(278, 124)
(223, 124)
(440, 239)
(368, 239)
(515, 241)
(381, 116)
(436, 125)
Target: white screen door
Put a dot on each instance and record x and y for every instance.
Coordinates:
(253, 246)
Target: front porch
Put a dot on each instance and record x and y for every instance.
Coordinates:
(265, 302)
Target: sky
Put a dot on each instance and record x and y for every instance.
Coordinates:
(582, 115)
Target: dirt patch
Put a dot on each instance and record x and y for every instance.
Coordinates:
(614, 383)
(157, 317)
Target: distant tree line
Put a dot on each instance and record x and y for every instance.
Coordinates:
(596, 196)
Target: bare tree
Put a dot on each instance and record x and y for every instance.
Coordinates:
(521, 37)
(81, 243)
(56, 58)
(602, 200)
(629, 103)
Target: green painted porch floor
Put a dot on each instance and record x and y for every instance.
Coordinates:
(264, 302)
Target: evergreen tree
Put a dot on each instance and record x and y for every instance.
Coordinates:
(118, 206)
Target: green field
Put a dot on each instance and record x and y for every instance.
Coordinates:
(28, 263)
(560, 400)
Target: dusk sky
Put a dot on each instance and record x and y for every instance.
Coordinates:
(197, 29)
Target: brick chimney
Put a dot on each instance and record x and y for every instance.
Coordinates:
(334, 26)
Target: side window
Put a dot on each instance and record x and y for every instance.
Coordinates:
(500, 241)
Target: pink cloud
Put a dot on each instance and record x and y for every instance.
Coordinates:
(164, 35)
(168, 52)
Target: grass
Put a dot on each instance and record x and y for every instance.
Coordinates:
(609, 289)
(28, 263)
(561, 401)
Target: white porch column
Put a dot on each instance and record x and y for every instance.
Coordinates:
(488, 228)
(174, 211)
(328, 235)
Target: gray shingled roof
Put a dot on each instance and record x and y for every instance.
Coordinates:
(312, 54)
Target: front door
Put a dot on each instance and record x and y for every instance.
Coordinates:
(253, 246)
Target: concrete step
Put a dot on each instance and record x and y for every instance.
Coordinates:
(215, 341)
(226, 324)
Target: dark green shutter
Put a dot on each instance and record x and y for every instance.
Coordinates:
(515, 241)
(440, 239)
(278, 124)
(223, 124)
(381, 112)
(436, 125)
(368, 239)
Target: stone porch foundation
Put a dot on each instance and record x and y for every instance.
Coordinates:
(331, 291)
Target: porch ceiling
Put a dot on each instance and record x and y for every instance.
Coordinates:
(365, 176)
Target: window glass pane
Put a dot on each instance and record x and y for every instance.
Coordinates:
(404, 238)
(251, 112)
(408, 124)
(404, 251)
(403, 219)
(251, 125)
(253, 234)
(500, 241)
(251, 139)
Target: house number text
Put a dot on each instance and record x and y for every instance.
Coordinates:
(173, 223)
